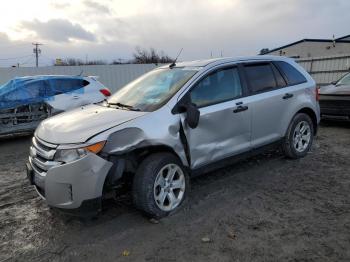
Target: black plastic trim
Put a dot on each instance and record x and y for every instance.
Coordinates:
(89, 207)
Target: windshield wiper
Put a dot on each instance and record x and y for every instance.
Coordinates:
(124, 106)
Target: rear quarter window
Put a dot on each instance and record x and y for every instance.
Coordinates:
(65, 85)
(294, 77)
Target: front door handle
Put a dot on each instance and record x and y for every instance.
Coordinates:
(287, 96)
(75, 97)
(240, 109)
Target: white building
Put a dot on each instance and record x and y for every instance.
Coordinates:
(314, 48)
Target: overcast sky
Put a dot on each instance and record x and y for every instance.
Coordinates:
(111, 29)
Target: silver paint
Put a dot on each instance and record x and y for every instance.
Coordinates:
(220, 132)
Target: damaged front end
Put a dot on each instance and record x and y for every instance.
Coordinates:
(25, 102)
(23, 118)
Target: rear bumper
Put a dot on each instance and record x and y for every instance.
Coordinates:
(76, 185)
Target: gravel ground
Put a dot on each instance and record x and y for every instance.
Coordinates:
(267, 208)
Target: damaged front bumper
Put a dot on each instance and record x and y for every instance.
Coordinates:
(23, 118)
(75, 186)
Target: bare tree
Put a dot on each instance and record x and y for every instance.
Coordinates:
(264, 51)
(78, 62)
(151, 56)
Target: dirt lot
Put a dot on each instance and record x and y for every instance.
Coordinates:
(264, 209)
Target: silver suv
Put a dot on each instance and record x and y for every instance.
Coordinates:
(170, 124)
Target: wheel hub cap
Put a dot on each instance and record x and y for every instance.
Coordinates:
(169, 187)
(301, 136)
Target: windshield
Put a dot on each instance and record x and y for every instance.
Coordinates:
(152, 90)
(345, 80)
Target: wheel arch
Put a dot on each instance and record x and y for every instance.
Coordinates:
(126, 164)
(311, 113)
(143, 152)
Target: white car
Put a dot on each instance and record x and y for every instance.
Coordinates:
(25, 101)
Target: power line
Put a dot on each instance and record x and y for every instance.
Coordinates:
(14, 44)
(27, 61)
(18, 57)
(18, 63)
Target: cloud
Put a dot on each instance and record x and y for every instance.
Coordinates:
(97, 6)
(59, 30)
(113, 28)
(61, 5)
(233, 27)
(4, 38)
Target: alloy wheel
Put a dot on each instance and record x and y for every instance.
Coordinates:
(301, 136)
(169, 187)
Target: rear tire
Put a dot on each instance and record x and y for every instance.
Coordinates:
(299, 137)
(160, 185)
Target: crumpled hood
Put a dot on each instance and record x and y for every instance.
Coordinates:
(335, 90)
(80, 124)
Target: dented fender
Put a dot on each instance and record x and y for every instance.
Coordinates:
(154, 129)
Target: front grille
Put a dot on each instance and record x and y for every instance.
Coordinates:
(335, 101)
(41, 156)
(335, 104)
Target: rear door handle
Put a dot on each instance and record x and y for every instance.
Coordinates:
(75, 97)
(287, 96)
(240, 109)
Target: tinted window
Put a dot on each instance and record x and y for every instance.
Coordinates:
(61, 86)
(281, 82)
(260, 77)
(294, 77)
(217, 87)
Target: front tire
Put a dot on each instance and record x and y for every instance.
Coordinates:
(160, 185)
(299, 137)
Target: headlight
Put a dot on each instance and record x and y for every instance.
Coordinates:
(69, 155)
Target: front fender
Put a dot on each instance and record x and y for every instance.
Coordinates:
(132, 138)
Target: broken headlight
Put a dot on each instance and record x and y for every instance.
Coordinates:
(69, 155)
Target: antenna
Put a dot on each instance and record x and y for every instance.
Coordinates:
(81, 72)
(174, 63)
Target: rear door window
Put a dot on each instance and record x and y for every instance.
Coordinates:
(294, 77)
(61, 86)
(260, 77)
(220, 86)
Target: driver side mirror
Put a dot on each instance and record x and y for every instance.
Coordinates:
(334, 82)
(191, 110)
(192, 115)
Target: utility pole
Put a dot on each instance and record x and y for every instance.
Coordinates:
(36, 51)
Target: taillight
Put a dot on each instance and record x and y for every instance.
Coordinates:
(317, 93)
(105, 92)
